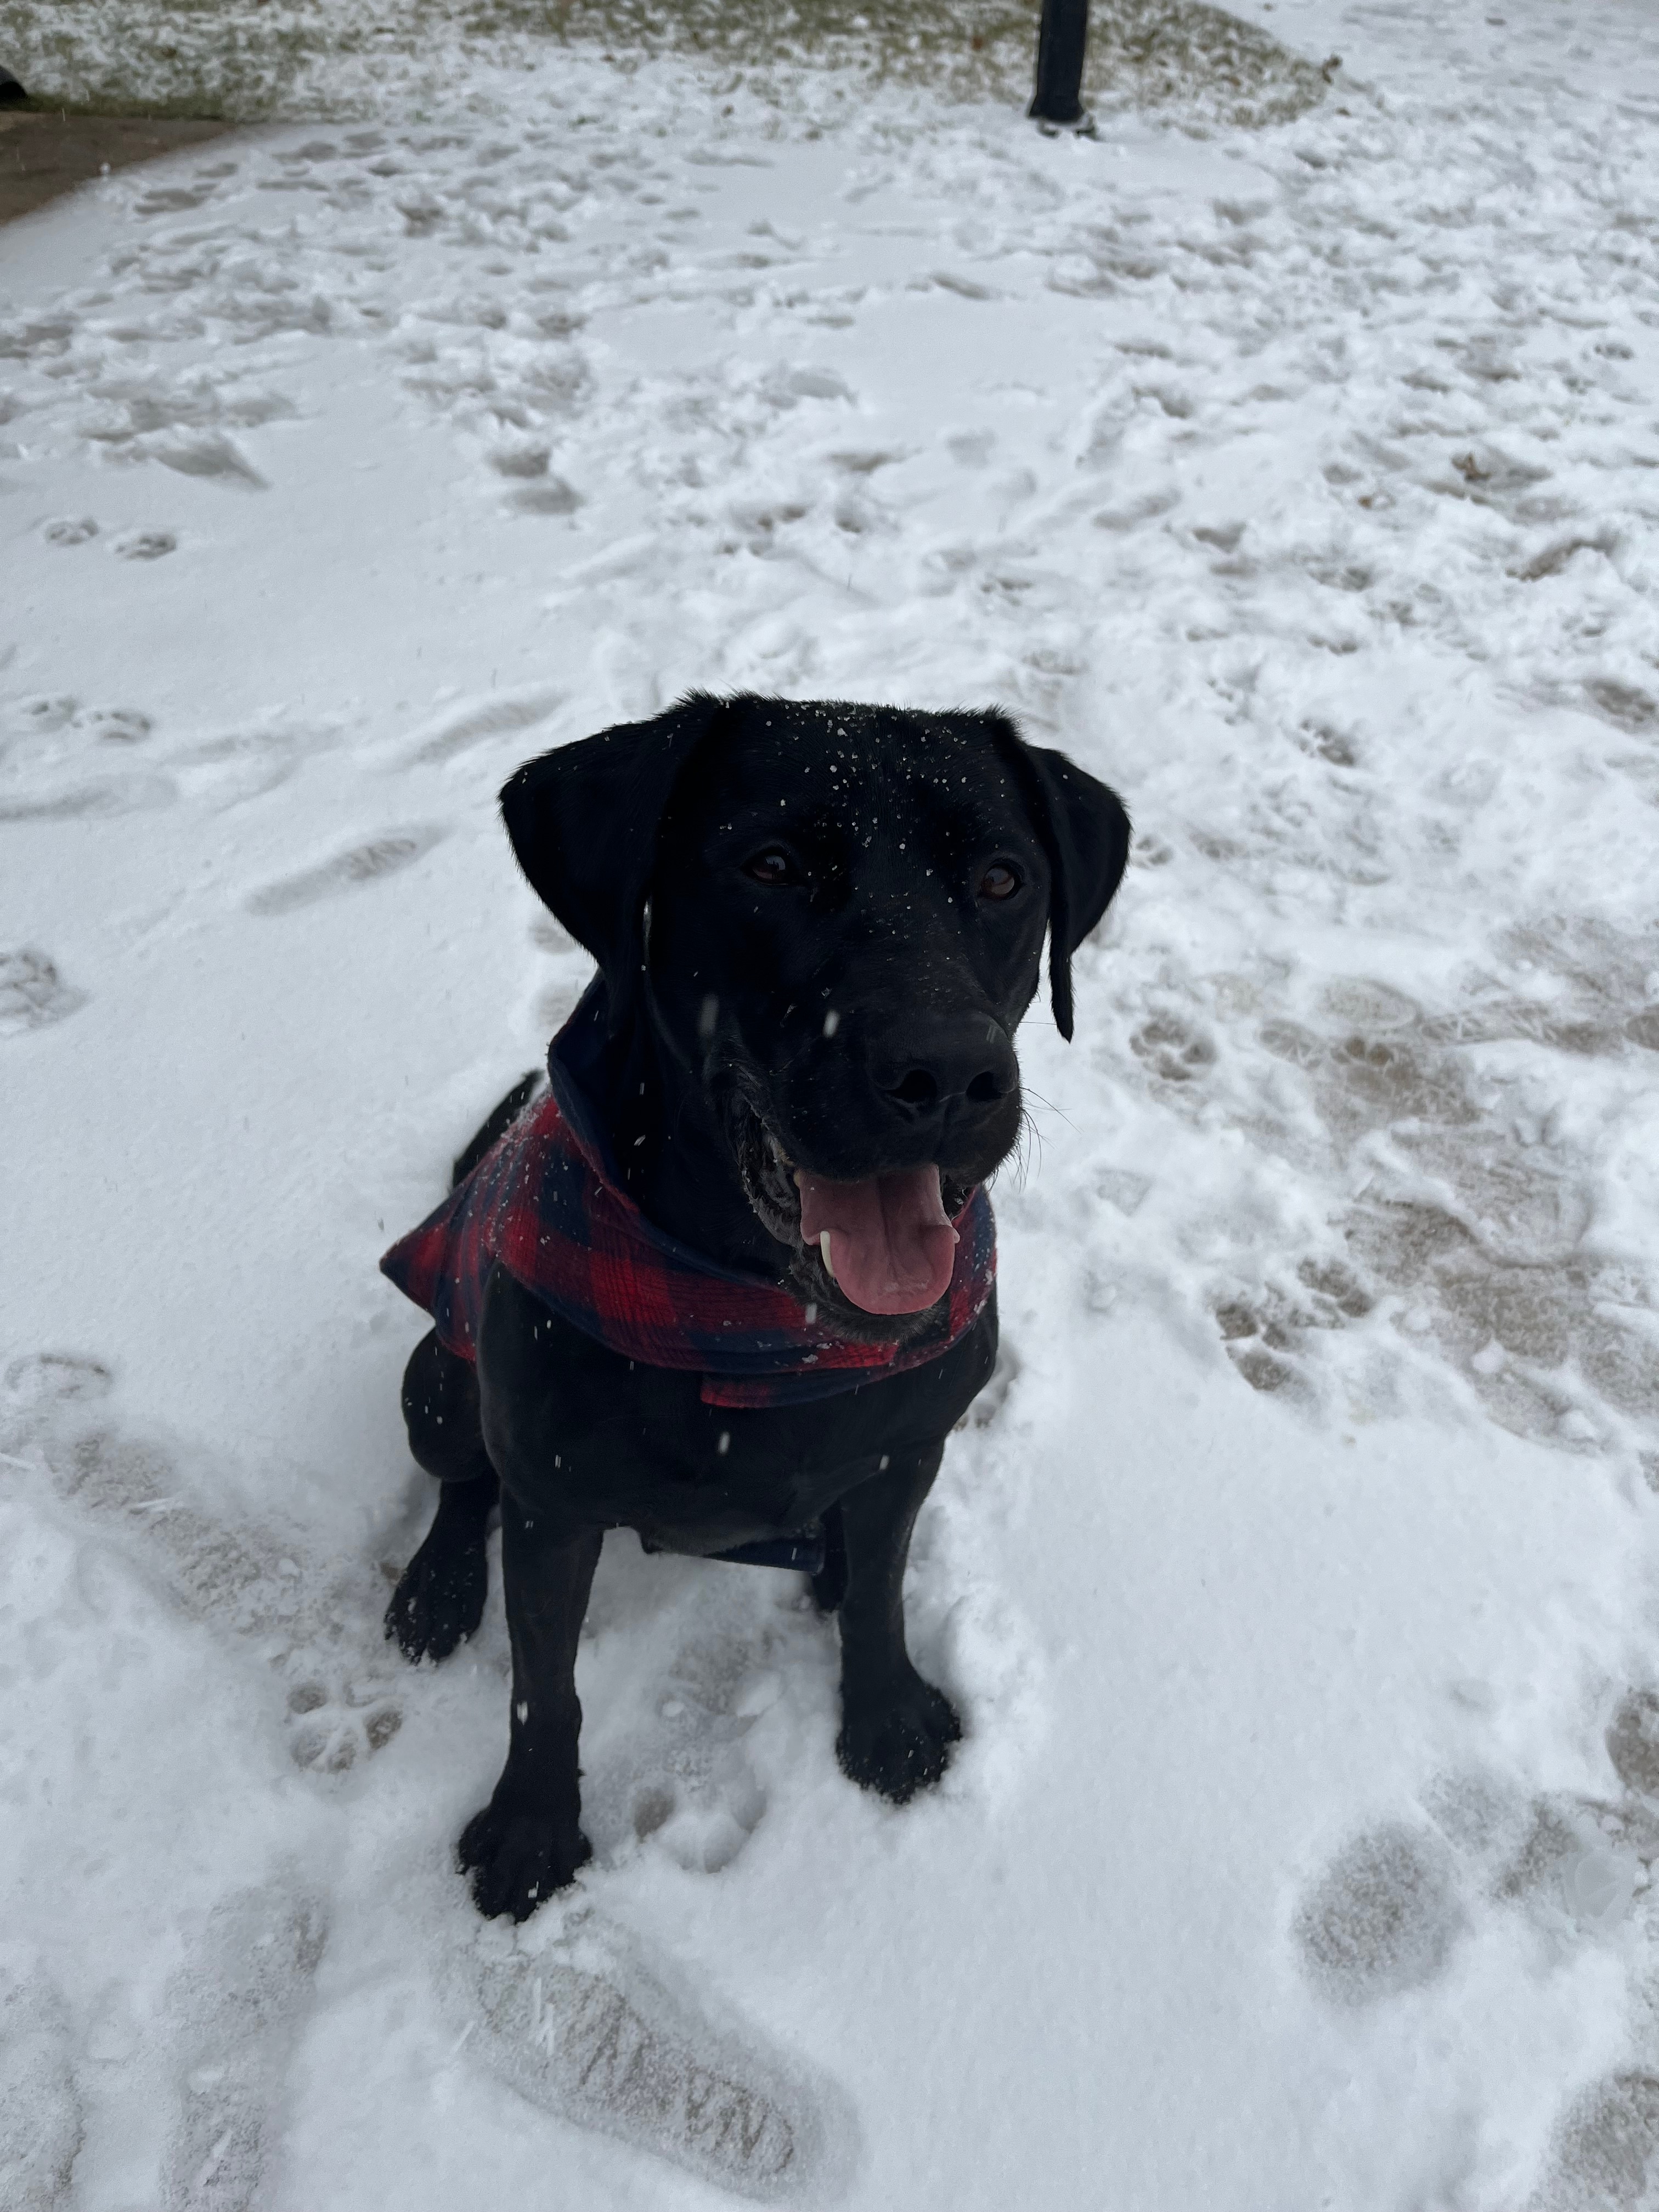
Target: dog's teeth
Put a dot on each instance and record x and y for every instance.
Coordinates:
(797, 1178)
(823, 1246)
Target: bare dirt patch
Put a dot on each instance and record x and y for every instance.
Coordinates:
(1198, 65)
(44, 153)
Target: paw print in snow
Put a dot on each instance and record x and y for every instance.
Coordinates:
(328, 1734)
(33, 996)
(145, 545)
(1265, 1331)
(1172, 1048)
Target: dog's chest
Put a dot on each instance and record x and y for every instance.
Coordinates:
(574, 1427)
(639, 1447)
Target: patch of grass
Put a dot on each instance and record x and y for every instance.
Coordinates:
(249, 60)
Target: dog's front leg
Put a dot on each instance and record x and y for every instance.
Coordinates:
(528, 1842)
(897, 1729)
(439, 1598)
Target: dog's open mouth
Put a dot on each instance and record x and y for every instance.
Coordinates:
(886, 1241)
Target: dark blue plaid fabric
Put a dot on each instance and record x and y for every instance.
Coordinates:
(547, 1203)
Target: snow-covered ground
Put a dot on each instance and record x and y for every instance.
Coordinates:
(1297, 1577)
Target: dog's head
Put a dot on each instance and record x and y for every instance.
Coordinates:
(832, 917)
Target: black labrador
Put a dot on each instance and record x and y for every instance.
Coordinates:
(817, 927)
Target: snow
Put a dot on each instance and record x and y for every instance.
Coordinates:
(1297, 1575)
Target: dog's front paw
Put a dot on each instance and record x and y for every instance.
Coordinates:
(902, 1744)
(517, 1859)
(440, 1599)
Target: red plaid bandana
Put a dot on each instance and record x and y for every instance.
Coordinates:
(547, 1203)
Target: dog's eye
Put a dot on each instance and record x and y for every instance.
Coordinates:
(998, 882)
(772, 866)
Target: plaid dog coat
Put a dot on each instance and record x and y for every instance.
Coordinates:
(547, 1203)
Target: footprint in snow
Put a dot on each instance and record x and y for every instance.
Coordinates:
(1471, 1236)
(313, 1623)
(60, 760)
(1265, 1329)
(575, 2021)
(32, 995)
(70, 530)
(1389, 1910)
(1578, 1860)
(689, 1659)
(1624, 704)
(551, 497)
(1573, 1865)
(474, 726)
(239, 765)
(1381, 1918)
(785, 388)
(145, 545)
(348, 871)
(116, 725)
(528, 462)
(236, 2006)
(209, 455)
(50, 715)
(1387, 1913)
(677, 1777)
(175, 199)
(41, 2114)
(1632, 1742)
(87, 802)
(1605, 2156)
(1174, 1048)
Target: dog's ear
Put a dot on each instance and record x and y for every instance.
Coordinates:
(584, 822)
(1085, 831)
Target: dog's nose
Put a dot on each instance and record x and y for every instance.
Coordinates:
(936, 1065)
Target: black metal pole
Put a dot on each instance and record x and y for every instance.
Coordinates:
(1061, 41)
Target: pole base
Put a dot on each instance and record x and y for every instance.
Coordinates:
(1082, 126)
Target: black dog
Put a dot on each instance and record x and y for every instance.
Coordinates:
(817, 927)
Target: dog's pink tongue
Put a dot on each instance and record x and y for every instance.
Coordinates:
(891, 1249)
